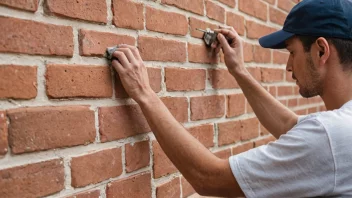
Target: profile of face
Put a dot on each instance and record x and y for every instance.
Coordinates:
(304, 69)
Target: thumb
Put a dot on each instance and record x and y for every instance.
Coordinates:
(223, 42)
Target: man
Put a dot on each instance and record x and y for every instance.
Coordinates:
(312, 156)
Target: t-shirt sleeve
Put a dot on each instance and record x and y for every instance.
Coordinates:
(299, 164)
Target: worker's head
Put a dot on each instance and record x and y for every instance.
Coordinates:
(317, 33)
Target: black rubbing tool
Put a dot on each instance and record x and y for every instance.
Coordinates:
(210, 37)
(109, 52)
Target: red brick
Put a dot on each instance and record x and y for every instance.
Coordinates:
(250, 129)
(231, 3)
(270, 1)
(236, 21)
(160, 21)
(33, 180)
(296, 90)
(301, 112)
(224, 154)
(284, 91)
(201, 54)
(178, 106)
(196, 23)
(256, 30)
(43, 128)
(97, 9)
(134, 186)
(195, 6)
(280, 57)
(264, 141)
(229, 132)
(272, 90)
(90, 194)
(169, 189)
(68, 81)
(292, 102)
(242, 148)
(29, 5)
(312, 110)
(255, 72)
(204, 134)
(302, 101)
(93, 43)
(255, 8)
(277, 16)
(179, 79)
(3, 133)
(285, 5)
(43, 37)
(262, 55)
(215, 11)
(128, 14)
(18, 82)
(121, 122)
(205, 107)
(162, 164)
(154, 75)
(235, 105)
(137, 156)
(187, 189)
(222, 79)
(96, 167)
(156, 49)
(272, 75)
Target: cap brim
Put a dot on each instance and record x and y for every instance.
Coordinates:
(275, 40)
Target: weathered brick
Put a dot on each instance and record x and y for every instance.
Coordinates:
(178, 106)
(229, 132)
(96, 167)
(195, 6)
(280, 57)
(222, 79)
(250, 129)
(301, 112)
(93, 43)
(242, 148)
(235, 105)
(156, 49)
(296, 90)
(160, 21)
(137, 155)
(284, 91)
(223, 154)
(19, 82)
(179, 79)
(272, 75)
(42, 128)
(29, 5)
(205, 107)
(97, 9)
(187, 189)
(270, 1)
(170, 189)
(255, 72)
(89, 194)
(285, 5)
(204, 134)
(162, 164)
(255, 8)
(128, 14)
(302, 101)
(236, 21)
(134, 186)
(312, 110)
(292, 102)
(154, 75)
(264, 141)
(248, 52)
(261, 55)
(68, 81)
(272, 90)
(121, 122)
(196, 23)
(231, 3)
(201, 54)
(45, 39)
(3, 134)
(215, 11)
(277, 16)
(256, 30)
(32, 180)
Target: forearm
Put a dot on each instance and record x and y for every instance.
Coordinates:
(273, 115)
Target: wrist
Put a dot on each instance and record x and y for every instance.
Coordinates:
(238, 71)
(147, 97)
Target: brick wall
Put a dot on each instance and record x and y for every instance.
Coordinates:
(67, 127)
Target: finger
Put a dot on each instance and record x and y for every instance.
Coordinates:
(215, 44)
(118, 67)
(227, 32)
(121, 57)
(134, 50)
(128, 54)
(224, 44)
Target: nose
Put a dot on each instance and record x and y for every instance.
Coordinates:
(289, 64)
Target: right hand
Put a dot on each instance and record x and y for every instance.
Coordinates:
(233, 52)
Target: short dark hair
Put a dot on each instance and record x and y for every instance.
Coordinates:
(343, 48)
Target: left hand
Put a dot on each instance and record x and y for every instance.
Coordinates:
(132, 72)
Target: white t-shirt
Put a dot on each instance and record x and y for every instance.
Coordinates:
(313, 159)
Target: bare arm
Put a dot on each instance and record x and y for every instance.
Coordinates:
(273, 115)
(208, 174)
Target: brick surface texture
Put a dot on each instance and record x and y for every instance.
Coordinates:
(69, 129)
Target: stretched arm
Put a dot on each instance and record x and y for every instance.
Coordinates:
(273, 115)
(208, 174)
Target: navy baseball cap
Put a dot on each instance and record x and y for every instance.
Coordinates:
(326, 18)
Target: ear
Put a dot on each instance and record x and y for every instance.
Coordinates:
(323, 50)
